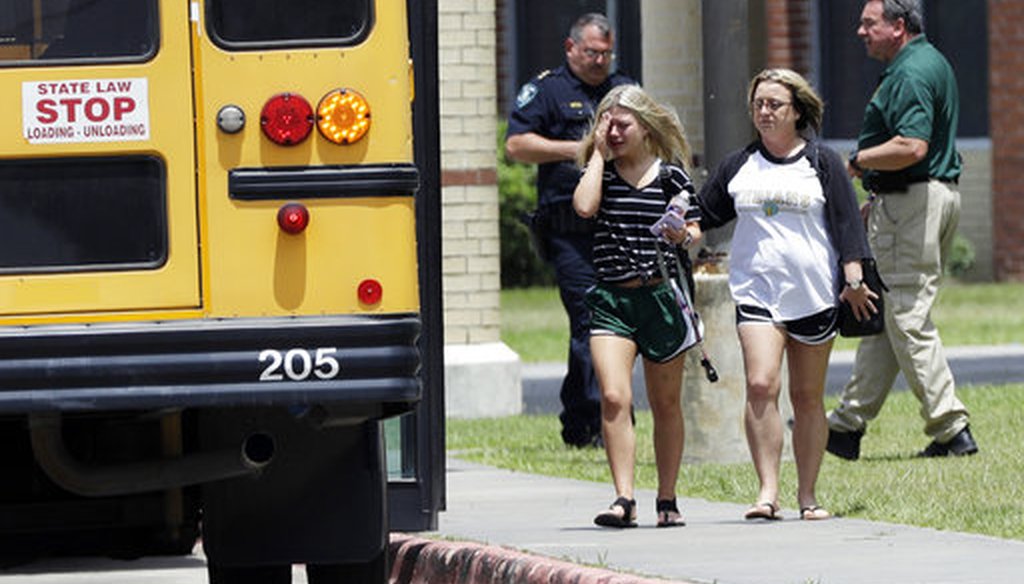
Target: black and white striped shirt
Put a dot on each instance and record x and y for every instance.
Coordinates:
(624, 247)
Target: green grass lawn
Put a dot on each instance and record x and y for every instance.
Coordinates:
(535, 326)
(979, 494)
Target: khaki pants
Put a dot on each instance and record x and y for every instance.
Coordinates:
(911, 235)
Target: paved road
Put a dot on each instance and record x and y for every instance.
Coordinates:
(971, 366)
(169, 570)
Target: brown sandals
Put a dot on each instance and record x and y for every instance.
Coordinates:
(814, 513)
(764, 510)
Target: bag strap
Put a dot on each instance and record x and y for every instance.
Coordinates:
(665, 176)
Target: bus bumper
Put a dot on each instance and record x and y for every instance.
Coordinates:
(124, 414)
(362, 367)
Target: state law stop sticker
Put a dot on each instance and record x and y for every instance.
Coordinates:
(85, 110)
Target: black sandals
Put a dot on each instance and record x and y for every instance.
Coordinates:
(668, 513)
(612, 517)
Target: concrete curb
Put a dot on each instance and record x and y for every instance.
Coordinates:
(417, 560)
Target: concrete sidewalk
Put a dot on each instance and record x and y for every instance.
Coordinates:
(503, 527)
(552, 517)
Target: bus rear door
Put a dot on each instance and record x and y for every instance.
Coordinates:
(97, 195)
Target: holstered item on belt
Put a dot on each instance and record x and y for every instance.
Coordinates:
(886, 182)
(895, 182)
(536, 224)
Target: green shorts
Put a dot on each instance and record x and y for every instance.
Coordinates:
(648, 315)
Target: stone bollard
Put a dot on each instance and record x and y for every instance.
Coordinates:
(713, 412)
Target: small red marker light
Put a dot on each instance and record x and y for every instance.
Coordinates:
(293, 218)
(370, 291)
(287, 119)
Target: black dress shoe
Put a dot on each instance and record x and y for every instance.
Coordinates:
(962, 444)
(583, 439)
(844, 444)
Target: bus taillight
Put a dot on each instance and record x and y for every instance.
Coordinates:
(293, 218)
(343, 116)
(370, 291)
(287, 119)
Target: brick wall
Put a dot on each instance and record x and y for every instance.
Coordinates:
(1006, 87)
(789, 34)
(469, 191)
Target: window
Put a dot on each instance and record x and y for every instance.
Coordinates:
(89, 30)
(848, 77)
(82, 214)
(255, 23)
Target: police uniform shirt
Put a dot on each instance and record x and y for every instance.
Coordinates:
(559, 106)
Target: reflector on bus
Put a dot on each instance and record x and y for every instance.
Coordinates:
(370, 291)
(293, 218)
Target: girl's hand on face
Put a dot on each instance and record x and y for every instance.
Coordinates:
(601, 136)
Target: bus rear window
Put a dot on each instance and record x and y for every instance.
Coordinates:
(253, 23)
(91, 30)
(82, 214)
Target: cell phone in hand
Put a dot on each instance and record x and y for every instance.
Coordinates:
(671, 218)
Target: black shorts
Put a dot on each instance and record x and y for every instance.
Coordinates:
(810, 330)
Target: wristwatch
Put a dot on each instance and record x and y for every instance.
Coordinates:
(853, 161)
(854, 284)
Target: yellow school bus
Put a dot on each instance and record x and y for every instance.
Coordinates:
(218, 277)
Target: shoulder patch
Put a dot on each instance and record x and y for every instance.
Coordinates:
(526, 94)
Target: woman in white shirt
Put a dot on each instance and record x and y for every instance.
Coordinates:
(795, 254)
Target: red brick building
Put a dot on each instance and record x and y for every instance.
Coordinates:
(1006, 90)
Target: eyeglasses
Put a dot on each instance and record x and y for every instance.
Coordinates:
(593, 55)
(773, 104)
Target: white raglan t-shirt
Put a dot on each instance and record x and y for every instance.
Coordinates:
(781, 257)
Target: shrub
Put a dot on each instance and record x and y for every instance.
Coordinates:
(961, 257)
(517, 194)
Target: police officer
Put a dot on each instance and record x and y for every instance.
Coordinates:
(552, 113)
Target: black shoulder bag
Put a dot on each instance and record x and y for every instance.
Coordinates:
(849, 326)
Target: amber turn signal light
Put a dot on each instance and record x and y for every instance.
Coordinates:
(343, 116)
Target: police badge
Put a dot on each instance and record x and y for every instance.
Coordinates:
(526, 94)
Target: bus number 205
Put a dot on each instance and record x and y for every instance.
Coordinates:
(299, 364)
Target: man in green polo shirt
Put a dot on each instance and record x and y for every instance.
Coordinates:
(906, 158)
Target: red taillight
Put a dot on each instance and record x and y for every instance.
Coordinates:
(287, 119)
(293, 218)
(370, 291)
